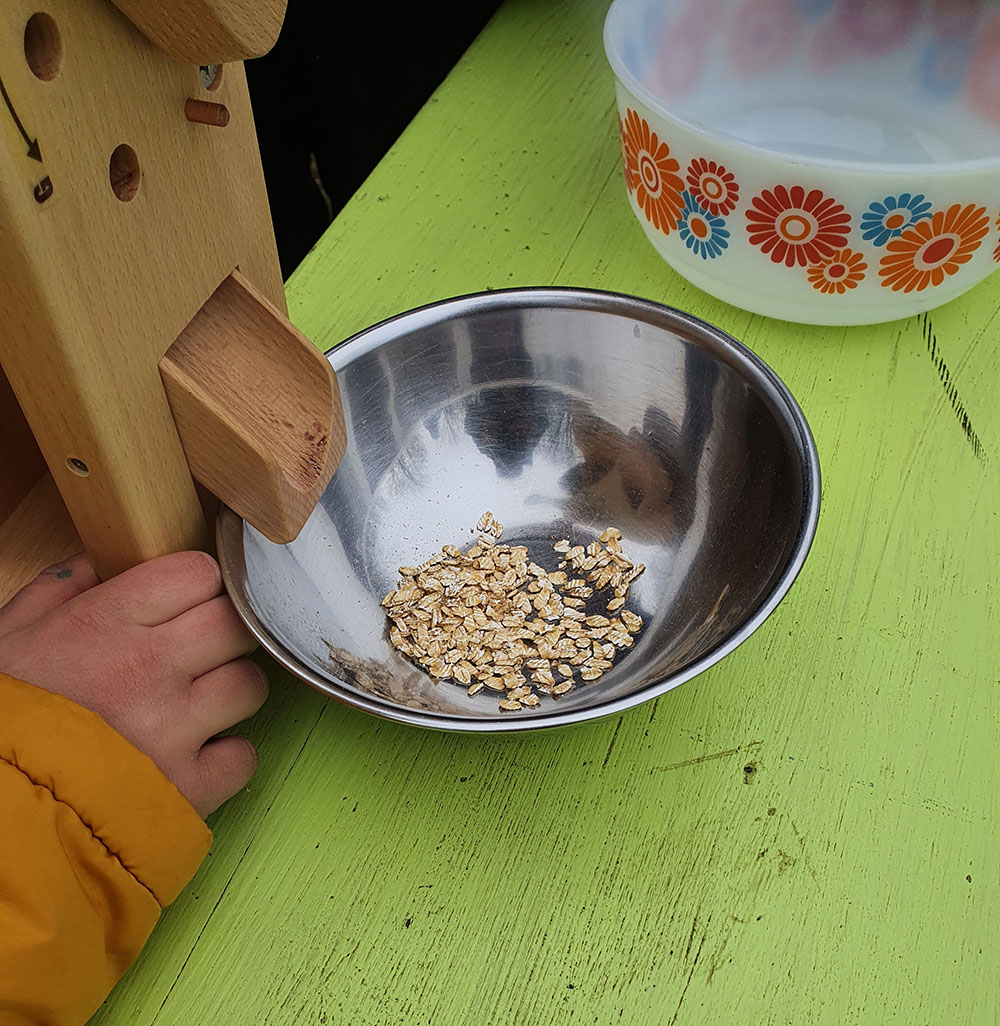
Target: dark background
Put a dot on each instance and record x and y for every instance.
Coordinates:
(335, 93)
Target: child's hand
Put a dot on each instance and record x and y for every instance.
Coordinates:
(155, 652)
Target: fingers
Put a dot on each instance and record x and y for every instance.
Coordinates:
(155, 652)
(223, 767)
(226, 696)
(51, 588)
(206, 636)
(161, 589)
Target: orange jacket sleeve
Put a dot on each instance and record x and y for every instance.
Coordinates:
(94, 841)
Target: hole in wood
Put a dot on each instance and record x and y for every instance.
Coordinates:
(77, 466)
(43, 46)
(125, 172)
(211, 76)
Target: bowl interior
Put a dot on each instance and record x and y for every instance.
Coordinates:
(894, 82)
(562, 412)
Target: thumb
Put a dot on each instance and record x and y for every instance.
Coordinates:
(224, 766)
(51, 588)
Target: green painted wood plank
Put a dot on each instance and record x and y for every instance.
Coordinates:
(485, 187)
(632, 870)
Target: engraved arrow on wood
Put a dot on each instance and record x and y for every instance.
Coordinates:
(34, 151)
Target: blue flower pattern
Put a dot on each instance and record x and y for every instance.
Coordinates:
(707, 246)
(874, 228)
(707, 235)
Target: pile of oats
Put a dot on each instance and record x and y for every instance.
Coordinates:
(492, 618)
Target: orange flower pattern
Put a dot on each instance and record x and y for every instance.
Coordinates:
(713, 187)
(840, 272)
(649, 166)
(796, 227)
(626, 167)
(800, 227)
(933, 249)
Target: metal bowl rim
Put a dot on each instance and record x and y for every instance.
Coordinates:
(229, 525)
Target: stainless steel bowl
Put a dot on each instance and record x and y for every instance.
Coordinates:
(562, 411)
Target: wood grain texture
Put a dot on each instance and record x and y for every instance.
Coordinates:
(36, 534)
(21, 464)
(208, 31)
(95, 289)
(802, 836)
(256, 407)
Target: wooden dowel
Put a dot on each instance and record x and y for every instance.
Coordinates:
(203, 112)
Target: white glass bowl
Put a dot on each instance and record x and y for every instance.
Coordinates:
(821, 161)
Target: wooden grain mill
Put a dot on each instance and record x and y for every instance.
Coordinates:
(144, 342)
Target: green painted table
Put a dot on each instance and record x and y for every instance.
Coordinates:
(805, 834)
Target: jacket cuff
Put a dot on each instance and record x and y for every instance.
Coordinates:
(117, 791)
